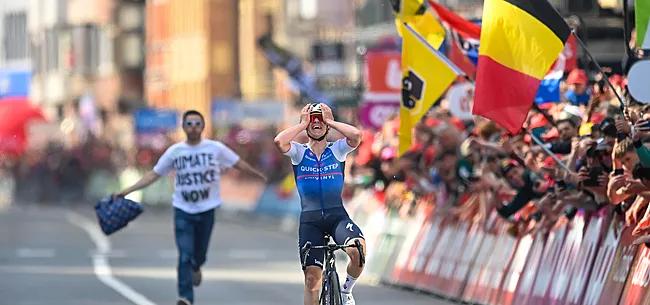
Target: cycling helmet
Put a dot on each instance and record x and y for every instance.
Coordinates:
(317, 112)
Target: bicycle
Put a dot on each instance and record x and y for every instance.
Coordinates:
(331, 289)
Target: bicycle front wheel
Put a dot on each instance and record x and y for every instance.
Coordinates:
(334, 289)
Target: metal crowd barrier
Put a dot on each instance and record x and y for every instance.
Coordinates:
(585, 261)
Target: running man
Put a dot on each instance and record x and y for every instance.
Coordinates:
(318, 169)
(198, 164)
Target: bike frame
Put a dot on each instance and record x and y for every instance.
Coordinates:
(329, 266)
(329, 269)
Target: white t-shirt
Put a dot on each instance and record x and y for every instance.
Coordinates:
(198, 171)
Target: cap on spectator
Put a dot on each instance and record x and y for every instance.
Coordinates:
(549, 162)
(573, 110)
(388, 153)
(458, 123)
(432, 122)
(616, 80)
(586, 129)
(508, 165)
(538, 120)
(577, 76)
(551, 134)
(546, 106)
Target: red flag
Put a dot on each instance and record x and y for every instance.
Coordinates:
(461, 60)
(457, 23)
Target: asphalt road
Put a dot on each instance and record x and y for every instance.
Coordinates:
(58, 256)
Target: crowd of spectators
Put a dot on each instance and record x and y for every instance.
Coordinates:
(62, 175)
(471, 168)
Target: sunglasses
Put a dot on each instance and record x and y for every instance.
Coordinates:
(316, 115)
(193, 123)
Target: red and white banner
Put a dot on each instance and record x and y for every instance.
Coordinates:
(590, 260)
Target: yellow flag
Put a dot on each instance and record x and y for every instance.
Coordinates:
(408, 8)
(426, 74)
(414, 13)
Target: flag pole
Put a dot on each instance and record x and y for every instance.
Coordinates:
(584, 47)
(548, 152)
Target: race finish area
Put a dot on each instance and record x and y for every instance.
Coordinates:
(57, 256)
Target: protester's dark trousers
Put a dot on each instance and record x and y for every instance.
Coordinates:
(192, 233)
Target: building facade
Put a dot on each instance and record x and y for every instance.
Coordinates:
(87, 63)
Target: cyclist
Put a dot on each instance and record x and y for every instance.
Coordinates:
(198, 164)
(318, 169)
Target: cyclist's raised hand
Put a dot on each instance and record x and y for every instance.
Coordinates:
(304, 114)
(328, 117)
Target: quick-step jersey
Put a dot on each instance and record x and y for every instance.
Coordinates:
(319, 180)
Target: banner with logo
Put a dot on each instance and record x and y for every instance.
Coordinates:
(383, 75)
(373, 114)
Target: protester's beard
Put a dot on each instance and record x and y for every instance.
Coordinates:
(193, 136)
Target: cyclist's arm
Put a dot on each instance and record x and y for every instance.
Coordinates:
(283, 139)
(351, 133)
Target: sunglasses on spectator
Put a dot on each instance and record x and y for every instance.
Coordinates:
(193, 123)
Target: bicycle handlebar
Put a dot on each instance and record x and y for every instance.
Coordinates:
(331, 248)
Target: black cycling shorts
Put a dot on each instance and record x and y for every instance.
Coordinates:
(335, 223)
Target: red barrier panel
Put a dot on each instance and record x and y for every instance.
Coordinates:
(414, 267)
(451, 259)
(636, 288)
(433, 278)
(611, 267)
(516, 269)
(414, 246)
(525, 284)
(466, 260)
(498, 266)
(470, 293)
(568, 258)
(583, 267)
(485, 278)
(550, 259)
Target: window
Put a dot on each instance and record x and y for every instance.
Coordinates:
(308, 9)
(131, 51)
(91, 48)
(51, 49)
(16, 39)
(37, 62)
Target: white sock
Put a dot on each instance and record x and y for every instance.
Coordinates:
(349, 283)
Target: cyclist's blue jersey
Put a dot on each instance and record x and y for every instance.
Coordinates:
(319, 182)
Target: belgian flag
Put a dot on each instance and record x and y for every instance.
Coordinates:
(520, 41)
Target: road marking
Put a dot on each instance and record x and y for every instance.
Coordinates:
(101, 267)
(112, 254)
(168, 254)
(35, 253)
(247, 254)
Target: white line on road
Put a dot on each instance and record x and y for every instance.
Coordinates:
(35, 253)
(101, 266)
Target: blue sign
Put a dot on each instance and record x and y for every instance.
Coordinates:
(155, 120)
(15, 83)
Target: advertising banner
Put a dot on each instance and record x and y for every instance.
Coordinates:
(374, 114)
